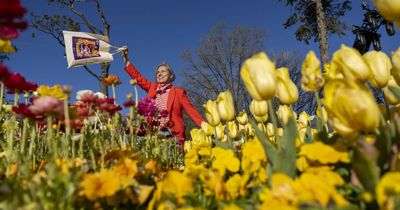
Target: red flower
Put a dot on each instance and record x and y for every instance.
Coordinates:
(16, 83)
(10, 11)
(23, 110)
(129, 103)
(108, 105)
(4, 73)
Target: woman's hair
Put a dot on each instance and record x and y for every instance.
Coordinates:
(169, 69)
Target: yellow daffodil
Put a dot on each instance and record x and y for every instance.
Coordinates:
(6, 47)
(349, 62)
(226, 107)
(396, 66)
(380, 66)
(386, 190)
(242, 118)
(390, 9)
(177, 184)
(312, 79)
(211, 111)
(286, 90)
(233, 129)
(54, 91)
(350, 106)
(258, 74)
(224, 160)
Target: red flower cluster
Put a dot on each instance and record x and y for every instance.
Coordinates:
(15, 82)
(109, 106)
(10, 14)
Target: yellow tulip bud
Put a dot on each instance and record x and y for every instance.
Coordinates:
(304, 119)
(396, 65)
(198, 137)
(284, 112)
(351, 107)
(322, 114)
(286, 90)
(233, 129)
(312, 79)
(258, 74)
(207, 128)
(226, 108)
(262, 127)
(270, 130)
(242, 118)
(259, 108)
(349, 62)
(390, 97)
(220, 131)
(188, 146)
(389, 9)
(380, 66)
(212, 114)
(260, 119)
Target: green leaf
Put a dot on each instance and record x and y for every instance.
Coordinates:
(269, 148)
(286, 162)
(224, 145)
(395, 91)
(366, 170)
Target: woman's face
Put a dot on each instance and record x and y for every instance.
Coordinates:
(163, 75)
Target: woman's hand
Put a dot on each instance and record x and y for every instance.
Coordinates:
(125, 56)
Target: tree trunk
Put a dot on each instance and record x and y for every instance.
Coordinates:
(104, 73)
(322, 33)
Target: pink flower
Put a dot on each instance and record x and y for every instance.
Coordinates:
(23, 110)
(109, 106)
(47, 105)
(147, 107)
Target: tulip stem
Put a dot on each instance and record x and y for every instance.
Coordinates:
(274, 121)
(1, 95)
(319, 105)
(386, 105)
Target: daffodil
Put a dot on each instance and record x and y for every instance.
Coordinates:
(286, 90)
(312, 79)
(350, 106)
(259, 77)
(226, 108)
(211, 111)
(380, 66)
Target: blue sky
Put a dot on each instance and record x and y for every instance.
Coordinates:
(158, 31)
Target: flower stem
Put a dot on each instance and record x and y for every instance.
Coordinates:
(274, 121)
(113, 92)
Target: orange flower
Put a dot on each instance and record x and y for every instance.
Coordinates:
(112, 80)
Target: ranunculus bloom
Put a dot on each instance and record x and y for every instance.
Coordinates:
(10, 11)
(379, 66)
(87, 96)
(55, 91)
(226, 107)
(48, 106)
(129, 103)
(112, 80)
(6, 47)
(23, 110)
(286, 90)
(258, 74)
(351, 107)
(147, 107)
(212, 114)
(16, 83)
(312, 79)
(109, 106)
(348, 62)
(4, 73)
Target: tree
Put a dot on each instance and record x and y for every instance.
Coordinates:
(53, 25)
(217, 62)
(316, 19)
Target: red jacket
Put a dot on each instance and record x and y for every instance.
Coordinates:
(177, 100)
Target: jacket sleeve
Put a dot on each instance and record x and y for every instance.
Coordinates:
(190, 110)
(142, 81)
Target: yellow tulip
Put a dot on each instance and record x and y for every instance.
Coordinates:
(6, 47)
(260, 119)
(390, 97)
(207, 128)
(284, 112)
(348, 61)
(262, 127)
(233, 129)
(389, 9)
(379, 65)
(396, 65)
(350, 106)
(242, 118)
(304, 119)
(312, 79)
(199, 138)
(220, 131)
(226, 108)
(258, 74)
(270, 130)
(259, 108)
(212, 114)
(286, 90)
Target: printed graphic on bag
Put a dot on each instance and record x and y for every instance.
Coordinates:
(85, 47)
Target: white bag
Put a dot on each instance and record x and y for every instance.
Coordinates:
(85, 48)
